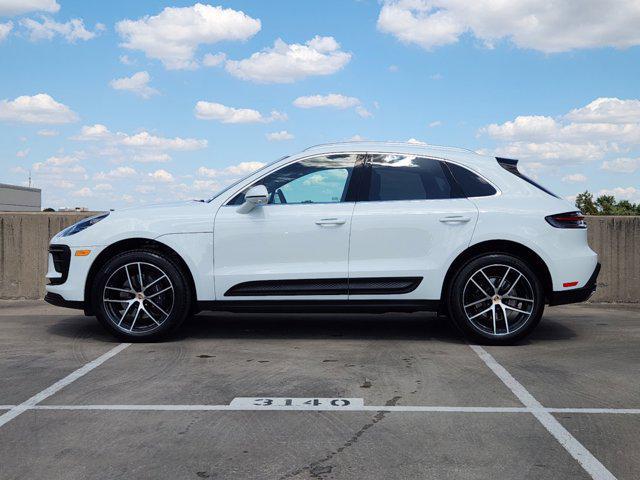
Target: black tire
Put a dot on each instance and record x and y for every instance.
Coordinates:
(495, 275)
(110, 302)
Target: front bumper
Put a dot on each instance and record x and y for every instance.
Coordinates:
(59, 301)
(576, 295)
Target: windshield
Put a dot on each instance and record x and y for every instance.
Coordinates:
(229, 187)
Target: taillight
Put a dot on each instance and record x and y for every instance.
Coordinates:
(567, 220)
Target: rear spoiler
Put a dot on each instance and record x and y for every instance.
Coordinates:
(511, 165)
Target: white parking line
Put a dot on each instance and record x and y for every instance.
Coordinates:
(590, 463)
(60, 384)
(363, 408)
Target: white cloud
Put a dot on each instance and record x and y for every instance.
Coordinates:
(126, 60)
(435, 123)
(83, 192)
(48, 133)
(547, 26)
(211, 60)
(622, 193)
(147, 140)
(138, 83)
(5, 29)
(286, 63)
(59, 168)
(161, 176)
(143, 139)
(224, 114)
(151, 157)
(335, 100)
(40, 108)
(279, 136)
(93, 132)
(241, 169)
(604, 126)
(622, 165)
(393, 68)
(71, 31)
(103, 187)
(120, 172)
(414, 141)
(18, 7)
(22, 153)
(174, 35)
(607, 110)
(575, 178)
(363, 112)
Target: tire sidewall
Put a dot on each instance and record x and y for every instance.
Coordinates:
(182, 294)
(455, 300)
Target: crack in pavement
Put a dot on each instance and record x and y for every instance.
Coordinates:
(316, 468)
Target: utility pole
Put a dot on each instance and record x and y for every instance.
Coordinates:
(29, 178)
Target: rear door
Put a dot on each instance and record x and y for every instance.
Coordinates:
(411, 220)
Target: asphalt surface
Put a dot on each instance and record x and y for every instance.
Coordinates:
(422, 402)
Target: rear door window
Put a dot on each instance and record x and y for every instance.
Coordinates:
(404, 177)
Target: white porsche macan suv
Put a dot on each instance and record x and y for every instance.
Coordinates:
(354, 226)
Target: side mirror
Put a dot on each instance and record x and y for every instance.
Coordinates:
(254, 197)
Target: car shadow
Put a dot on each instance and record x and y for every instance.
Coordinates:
(389, 326)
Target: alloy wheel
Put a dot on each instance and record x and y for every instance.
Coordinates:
(138, 297)
(498, 299)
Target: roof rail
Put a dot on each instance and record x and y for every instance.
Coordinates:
(403, 144)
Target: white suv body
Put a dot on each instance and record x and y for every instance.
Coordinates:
(356, 225)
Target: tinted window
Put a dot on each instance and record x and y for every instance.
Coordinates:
(406, 177)
(472, 185)
(314, 180)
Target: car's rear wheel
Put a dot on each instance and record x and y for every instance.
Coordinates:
(141, 295)
(496, 298)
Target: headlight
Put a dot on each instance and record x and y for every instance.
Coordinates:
(81, 225)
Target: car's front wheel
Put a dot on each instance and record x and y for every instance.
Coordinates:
(496, 298)
(141, 295)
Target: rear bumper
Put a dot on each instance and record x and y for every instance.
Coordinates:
(576, 295)
(57, 300)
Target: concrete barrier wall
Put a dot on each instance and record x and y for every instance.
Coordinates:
(617, 241)
(24, 238)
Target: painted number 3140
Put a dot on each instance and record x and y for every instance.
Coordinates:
(301, 402)
(255, 403)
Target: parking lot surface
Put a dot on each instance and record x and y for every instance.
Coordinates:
(394, 396)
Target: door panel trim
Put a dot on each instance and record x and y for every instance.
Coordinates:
(326, 286)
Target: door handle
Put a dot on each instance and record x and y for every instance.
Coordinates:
(455, 219)
(331, 221)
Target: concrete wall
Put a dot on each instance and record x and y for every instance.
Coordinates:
(617, 241)
(24, 238)
(14, 198)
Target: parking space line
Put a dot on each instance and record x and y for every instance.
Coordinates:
(363, 408)
(578, 451)
(60, 384)
(234, 408)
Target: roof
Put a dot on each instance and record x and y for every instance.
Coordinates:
(19, 187)
(437, 151)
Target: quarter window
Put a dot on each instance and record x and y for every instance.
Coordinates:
(471, 184)
(406, 177)
(322, 179)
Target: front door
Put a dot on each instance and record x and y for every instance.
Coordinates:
(297, 246)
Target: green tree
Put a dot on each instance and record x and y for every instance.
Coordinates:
(584, 201)
(606, 204)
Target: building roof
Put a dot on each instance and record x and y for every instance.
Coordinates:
(19, 187)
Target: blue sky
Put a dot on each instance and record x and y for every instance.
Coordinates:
(559, 91)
